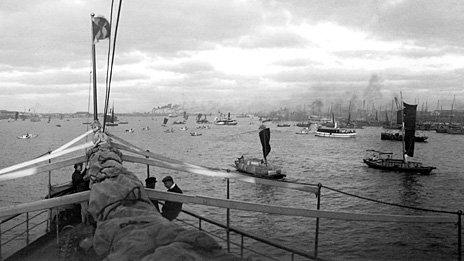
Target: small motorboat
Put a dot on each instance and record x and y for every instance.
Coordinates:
(195, 134)
(27, 136)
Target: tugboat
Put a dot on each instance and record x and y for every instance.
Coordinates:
(384, 160)
(260, 168)
(335, 131)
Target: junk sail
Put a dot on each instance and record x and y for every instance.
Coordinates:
(409, 118)
(165, 121)
(265, 136)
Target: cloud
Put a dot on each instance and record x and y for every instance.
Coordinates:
(278, 39)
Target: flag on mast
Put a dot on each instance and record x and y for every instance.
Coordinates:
(101, 28)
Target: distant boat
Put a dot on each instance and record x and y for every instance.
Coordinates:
(225, 121)
(35, 118)
(183, 128)
(335, 132)
(283, 125)
(395, 136)
(304, 131)
(171, 130)
(260, 167)
(165, 120)
(58, 125)
(111, 119)
(195, 134)
(304, 124)
(384, 160)
(27, 136)
(201, 120)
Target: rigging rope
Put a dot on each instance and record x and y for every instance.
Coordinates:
(107, 69)
(389, 203)
(111, 65)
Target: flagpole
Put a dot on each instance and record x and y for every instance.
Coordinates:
(94, 71)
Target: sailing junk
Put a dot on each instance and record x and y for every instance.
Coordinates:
(384, 160)
(257, 167)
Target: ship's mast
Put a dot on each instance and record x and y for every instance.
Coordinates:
(94, 71)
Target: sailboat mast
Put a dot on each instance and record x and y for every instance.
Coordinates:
(402, 124)
(94, 71)
(452, 108)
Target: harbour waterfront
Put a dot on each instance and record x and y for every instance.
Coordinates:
(304, 158)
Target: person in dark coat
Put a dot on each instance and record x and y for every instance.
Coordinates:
(150, 183)
(171, 209)
(78, 182)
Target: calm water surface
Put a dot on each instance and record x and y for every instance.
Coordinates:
(333, 162)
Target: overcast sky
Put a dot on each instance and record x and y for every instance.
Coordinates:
(243, 55)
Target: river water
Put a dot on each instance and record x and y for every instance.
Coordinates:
(335, 163)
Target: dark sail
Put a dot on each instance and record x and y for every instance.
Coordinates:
(399, 118)
(112, 116)
(199, 116)
(165, 121)
(409, 118)
(349, 114)
(265, 136)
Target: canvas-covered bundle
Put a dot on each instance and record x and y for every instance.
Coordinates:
(128, 225)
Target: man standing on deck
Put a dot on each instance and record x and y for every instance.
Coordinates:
(150, 183)
(171, 209)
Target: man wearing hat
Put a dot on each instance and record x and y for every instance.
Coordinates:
(171, 209)
(150, 183)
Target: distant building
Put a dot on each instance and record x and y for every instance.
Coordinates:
(169, 109)
(4, 114)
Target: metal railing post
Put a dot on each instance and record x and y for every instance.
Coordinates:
(459, 235)
(293, 256)
(49, 178)
(27, 228)
(199, 224)
(148, 166)
(57, 229)
(49, 194)
(316, 236)
(241, 247)
(228, 219)
(1, 258)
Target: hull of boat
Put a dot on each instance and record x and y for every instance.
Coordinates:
(399, 137)
(335, 135)
(257, 169)
(226, 123)
(398, 165)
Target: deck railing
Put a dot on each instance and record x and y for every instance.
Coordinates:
(46, 204)
(27, 218)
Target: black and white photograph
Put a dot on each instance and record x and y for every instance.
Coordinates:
(231, 130)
